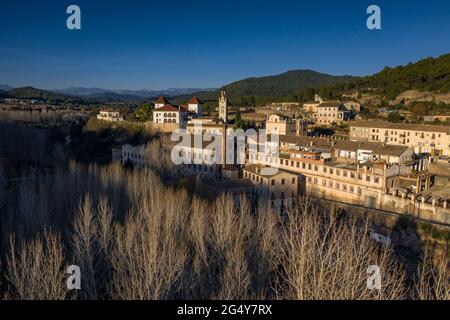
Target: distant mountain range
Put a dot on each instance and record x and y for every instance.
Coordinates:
(128, 94)
(268, 87)
(430, 74)
(99, 93)
(4, 87)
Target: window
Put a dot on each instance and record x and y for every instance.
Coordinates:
(282, 181)
(293, 180)
(272, 182)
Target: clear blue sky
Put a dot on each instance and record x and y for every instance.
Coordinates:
(161, 44)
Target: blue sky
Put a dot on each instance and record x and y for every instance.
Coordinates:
(161, 44)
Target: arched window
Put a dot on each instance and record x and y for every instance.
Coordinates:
(165, 120)
(165, 114)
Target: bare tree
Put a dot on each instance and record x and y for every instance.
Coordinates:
(36, 269)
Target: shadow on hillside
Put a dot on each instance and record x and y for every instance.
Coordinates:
(407, 244)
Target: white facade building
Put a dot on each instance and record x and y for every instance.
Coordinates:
(110, 115)
(160, 102)
(195, 105)
(170, 114)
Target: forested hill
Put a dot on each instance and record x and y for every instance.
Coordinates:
(281, 85)
(42, 95)
(430, 74)
(270, 88)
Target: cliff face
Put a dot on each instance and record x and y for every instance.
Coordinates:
(411, 96)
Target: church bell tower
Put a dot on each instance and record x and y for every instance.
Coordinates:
(223, 106)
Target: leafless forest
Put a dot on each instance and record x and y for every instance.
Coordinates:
(135, 236)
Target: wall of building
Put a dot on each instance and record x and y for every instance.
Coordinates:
(420, 141)
(280, 125)
(384, 202)
(161, 127)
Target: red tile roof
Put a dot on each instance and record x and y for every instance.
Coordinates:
(162, 100)
(184, 108)
(195, 100)
(169, 107)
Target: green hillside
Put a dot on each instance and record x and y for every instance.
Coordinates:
(281, 87)
(430, 74)
(43, 95)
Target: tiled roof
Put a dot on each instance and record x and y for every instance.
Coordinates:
(195, 100)
(376, 147)
(162, 100)
(306, 141)
(328, 104)
(169, 107)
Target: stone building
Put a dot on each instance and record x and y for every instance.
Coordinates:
(110, 115)
(331, 112)
(281, 125)
(432, 139)
(279, 188)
